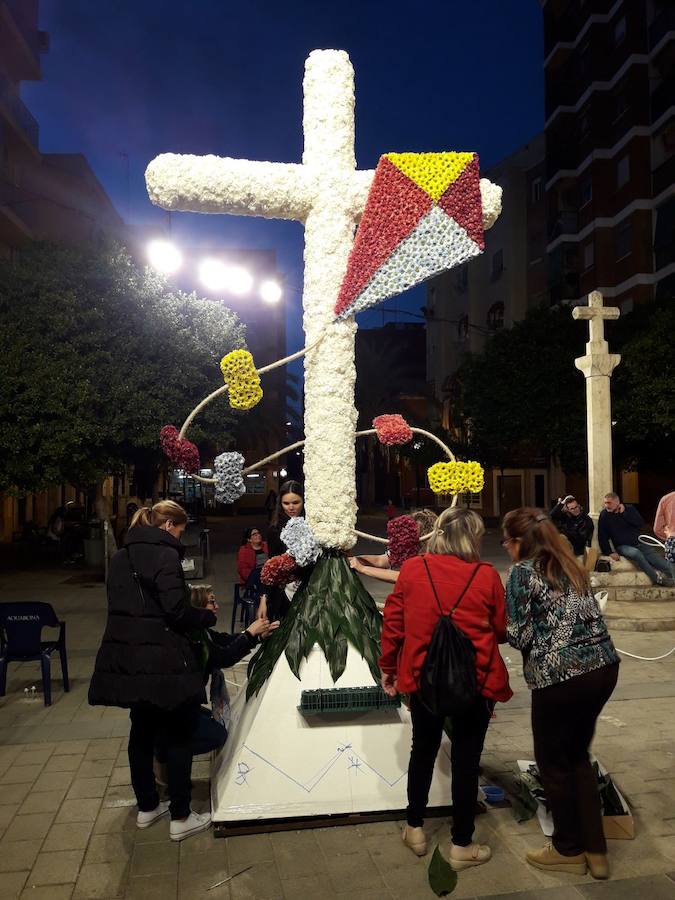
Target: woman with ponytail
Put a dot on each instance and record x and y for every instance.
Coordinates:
(571, 666)
(148, 662)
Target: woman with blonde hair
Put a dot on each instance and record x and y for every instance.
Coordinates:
(571, 666)
(449, 578)
(148, 663)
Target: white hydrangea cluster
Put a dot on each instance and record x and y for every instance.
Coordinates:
(300, 541)
(229, 480)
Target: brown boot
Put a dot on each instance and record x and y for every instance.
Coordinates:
(550, 860)
(598, 865)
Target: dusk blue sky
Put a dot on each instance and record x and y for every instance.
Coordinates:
(142, 77)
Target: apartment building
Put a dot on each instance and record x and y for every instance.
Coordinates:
(610, 149)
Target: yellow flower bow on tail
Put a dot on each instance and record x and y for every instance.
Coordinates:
(242, 379)
(456, 477)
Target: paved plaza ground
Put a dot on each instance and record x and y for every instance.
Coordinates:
(67, 815)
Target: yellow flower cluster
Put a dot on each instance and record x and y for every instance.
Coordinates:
(243, 382)
(433, 172)
(456, 478)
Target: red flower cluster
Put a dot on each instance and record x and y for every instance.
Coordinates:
(392, 430)
(462, 202)
(404, 540)
(182, 453)
(279, 571)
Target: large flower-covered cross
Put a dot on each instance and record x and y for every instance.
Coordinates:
(328, 194)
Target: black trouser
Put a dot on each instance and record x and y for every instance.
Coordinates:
(563, 723)
(468, 735)
(209, 735)
(173, 730)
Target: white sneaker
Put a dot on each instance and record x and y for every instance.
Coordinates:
(194, 823)
(146, 819)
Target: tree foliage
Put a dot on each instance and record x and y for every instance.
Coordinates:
(523, 396)
(643, 388)
(95, 357)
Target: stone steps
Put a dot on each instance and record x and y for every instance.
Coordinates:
(655, 615)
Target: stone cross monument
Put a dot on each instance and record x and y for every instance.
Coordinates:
(597, 366)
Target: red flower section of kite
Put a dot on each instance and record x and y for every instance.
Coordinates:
(279, 571)
(404, 540)
(392, 430)
(182, 453)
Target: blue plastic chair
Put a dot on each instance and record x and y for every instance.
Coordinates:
(21, 627)
(246, 602)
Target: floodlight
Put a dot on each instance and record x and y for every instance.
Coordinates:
(239, 281)
(164, 256)
(214, 274)
(271, 292)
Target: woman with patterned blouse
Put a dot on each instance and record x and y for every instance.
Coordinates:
(571, 666)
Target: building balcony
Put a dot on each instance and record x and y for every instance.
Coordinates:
(565, 221)
(662, 24)
(23, 42)
(663, 176)
(13, 229)
(662, 98)
(15, 110)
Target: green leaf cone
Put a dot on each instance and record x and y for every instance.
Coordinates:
(331, 608)
(442, 877)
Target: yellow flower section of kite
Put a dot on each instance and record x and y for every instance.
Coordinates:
(456, 478)
(433, 172)
(243, 382)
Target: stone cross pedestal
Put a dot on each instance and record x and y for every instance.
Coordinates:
(597, 366)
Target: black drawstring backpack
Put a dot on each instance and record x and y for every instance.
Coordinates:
(448, 678)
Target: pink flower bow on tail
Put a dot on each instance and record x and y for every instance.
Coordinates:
(182, 453)
(392, 430)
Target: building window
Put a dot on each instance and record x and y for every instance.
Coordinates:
(664, 234)
(589, 255)
(535, 190)
(584, 125)
(620, 31)
(255, 483)
(623, 171)
(585, 191)
(497, 264)
(626, 306)
(462, 277)
(623, 239)
(495, 316)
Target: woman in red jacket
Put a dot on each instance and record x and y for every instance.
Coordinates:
(252, 556)
(410, 616)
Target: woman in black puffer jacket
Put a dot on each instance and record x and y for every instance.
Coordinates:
(148, 664)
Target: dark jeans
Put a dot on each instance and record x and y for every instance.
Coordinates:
(646, 558)
(253, 587)
(174, 730)
(209, 735)
(563, 724)
(468, 735)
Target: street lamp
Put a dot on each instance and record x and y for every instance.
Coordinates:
(164, 256)
(270, 291)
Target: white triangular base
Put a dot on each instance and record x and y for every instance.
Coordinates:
(278, 764)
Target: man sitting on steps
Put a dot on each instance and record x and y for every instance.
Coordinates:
(622, 524)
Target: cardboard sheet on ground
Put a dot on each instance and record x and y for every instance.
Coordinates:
(616, 827)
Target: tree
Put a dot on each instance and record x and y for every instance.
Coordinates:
(643, 388)
(95, 357)
(523, 396)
